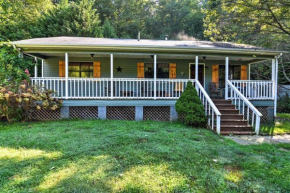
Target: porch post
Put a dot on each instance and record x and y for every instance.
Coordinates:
(112, 86)
(42, 68)
(276, 87)
(66, 75)
(35, 68)
(273, 77)
(227, 78)
(155, 75)
(196, 67)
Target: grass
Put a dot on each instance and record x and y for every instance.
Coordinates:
(124, 156)
(281, 125)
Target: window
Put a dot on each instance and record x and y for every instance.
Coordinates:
(149, 70)
(162, 70)
(222, 79)
(81, 69)
(234, 74)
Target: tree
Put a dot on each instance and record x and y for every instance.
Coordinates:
(152, 18)
(245, 19)
(263, 23)
(189, 105)
(174, 17)
(16, 17)
(108, 30)
(69, 19)
(12, 67)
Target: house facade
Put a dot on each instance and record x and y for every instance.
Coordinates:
(142, 79)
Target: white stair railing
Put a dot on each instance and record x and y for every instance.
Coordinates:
(241, 102)
(211, 111)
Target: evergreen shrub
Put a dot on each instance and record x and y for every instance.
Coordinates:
(190, 106)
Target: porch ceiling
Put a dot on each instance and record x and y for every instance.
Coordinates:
(145, 55)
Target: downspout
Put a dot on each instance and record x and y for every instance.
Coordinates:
(20, 55)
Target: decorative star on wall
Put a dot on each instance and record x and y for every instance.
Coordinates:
(119, 69)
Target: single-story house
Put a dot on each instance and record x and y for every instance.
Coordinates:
(140, 79)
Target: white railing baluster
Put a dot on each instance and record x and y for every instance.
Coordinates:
(245, 101)
(254, 89)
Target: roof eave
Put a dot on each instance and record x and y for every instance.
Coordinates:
(152, 48)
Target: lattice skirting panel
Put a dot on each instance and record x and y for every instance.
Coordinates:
(45, 115)
(159, 113)
(83, 112)
(121, 113)
(263, 110)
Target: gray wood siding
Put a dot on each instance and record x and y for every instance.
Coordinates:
(129, 66)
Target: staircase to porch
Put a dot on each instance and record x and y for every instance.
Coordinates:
(232, 122)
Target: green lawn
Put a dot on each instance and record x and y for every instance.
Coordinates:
(124, 156)
(281, 125)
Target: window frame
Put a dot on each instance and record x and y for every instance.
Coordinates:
(232, 68)
(81, 71)
(163, 74)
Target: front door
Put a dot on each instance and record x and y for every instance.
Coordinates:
(200, 73)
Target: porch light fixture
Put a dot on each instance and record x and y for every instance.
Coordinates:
(152, 57)
(182, 74)
(92, 56)
(166, 37)
(204, 58)
(206, 67)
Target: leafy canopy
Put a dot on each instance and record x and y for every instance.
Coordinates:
(69, 19)
(12, 67)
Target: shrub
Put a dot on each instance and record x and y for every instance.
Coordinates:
(284, 104)
(12, 67)
(18, 102)
(189, 105)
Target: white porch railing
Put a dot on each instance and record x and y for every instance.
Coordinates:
(245, 107)
(211, 111)
(255, 89)
(123, 88)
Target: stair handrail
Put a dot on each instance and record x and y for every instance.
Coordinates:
(210, 109)
(237, 95)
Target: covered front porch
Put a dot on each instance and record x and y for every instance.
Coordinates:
(147, 76)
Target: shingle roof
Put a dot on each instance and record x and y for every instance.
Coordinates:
(85, 41)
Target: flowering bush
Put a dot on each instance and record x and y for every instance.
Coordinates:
(18, 102)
